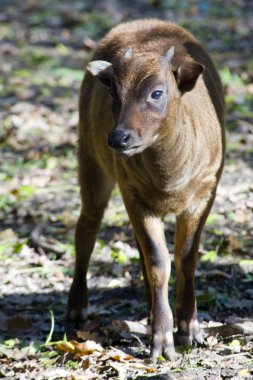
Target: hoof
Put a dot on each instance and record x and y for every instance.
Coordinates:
(186, 335)
(163, 344)
(76, 319)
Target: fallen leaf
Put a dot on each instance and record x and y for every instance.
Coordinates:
(211, 341)
(234, 243)
(117, 355)
(235, 345)
(120, 356)
(244, 373)
(144, 367)
(83, 348)
(66, 346)
(85, 363)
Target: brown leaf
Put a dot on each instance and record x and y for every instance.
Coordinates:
(88, 347)
(83, 348)
(85, 364)
(119, 355)
(234, 243)
(142, 366)
(66, 347)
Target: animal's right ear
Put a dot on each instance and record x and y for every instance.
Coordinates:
(102, 70)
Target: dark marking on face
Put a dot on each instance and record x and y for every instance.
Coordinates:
(154, 95)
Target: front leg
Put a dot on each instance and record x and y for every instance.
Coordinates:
(189, 226)
(149, 231)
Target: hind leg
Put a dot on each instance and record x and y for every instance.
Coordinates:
(96, 187)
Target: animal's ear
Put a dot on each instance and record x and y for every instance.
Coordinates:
(187, 75)
(102, 70)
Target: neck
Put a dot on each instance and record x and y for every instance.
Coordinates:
(170, 160)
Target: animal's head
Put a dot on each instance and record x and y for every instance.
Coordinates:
(142, 88)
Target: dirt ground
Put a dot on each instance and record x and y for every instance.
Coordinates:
(43, 51)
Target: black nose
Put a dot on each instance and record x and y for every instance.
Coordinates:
(119, 139)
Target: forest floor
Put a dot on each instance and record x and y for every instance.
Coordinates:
(43, 51)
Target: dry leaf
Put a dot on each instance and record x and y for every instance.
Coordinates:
(85, 364)
(66, 347)
(234, 243)
(145, 367)
(211, 341)
(119, 355)
(243, 216)
(83, 348)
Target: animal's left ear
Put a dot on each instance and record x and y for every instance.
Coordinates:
(187, 75)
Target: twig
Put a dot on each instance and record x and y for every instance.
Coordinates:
(234, 355)
(38, 243)
(217, 273)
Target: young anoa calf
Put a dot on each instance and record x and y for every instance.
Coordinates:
(151, 119)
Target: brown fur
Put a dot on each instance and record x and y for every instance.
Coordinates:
(174, 169)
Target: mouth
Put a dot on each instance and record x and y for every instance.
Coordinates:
(128, 152)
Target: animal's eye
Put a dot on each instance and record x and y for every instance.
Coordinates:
(156, 95)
